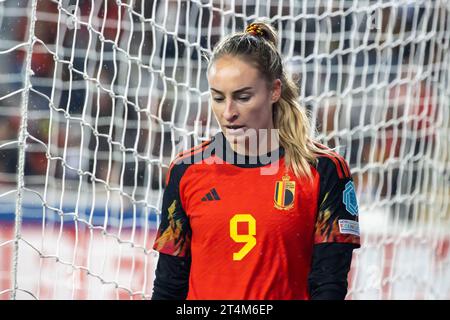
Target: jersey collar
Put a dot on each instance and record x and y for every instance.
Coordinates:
(223, 150)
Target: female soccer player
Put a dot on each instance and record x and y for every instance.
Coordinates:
(229, 229)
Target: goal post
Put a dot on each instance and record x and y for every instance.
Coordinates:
(97, 97)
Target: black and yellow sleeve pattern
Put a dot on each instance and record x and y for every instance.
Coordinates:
(337, 217)
(174, 232)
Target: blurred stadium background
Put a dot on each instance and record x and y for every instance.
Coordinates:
(97, 97)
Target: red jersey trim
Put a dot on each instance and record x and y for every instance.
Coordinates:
(185, 154)
(341, 165)
(194, 148)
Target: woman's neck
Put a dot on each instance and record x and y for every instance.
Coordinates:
(263, 142)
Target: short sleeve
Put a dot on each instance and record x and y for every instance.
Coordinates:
(337, 216)
(174, 232)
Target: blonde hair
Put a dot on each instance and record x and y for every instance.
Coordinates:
(258, 46)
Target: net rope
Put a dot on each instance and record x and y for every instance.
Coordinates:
(111, 91)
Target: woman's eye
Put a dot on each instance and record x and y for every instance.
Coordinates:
(218, 99)
(244, 98)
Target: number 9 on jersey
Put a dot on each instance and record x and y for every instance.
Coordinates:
(249, 238)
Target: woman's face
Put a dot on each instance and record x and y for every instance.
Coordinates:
(241, 97)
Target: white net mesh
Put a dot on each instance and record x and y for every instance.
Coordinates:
(95, 98)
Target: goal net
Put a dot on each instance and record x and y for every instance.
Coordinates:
(96, 98)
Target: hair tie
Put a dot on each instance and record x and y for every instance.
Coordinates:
(255, 30)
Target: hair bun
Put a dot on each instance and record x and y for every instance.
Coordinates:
(256, 30)
(262, 29)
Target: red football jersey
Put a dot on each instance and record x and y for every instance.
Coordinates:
(250, 226)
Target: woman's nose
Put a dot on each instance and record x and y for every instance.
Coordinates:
(230, 112)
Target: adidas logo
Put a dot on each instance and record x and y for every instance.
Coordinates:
(211, 195)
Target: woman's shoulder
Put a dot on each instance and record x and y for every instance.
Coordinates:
(191, 155)
(182, 161)
(188, 153)
(329, 159)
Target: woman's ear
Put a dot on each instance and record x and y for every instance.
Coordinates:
(276, 90)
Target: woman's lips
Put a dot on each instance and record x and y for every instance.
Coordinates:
(235, 130)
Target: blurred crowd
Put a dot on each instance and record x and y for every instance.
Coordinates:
(114, 85)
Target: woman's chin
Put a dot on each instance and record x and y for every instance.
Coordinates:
(235, 139)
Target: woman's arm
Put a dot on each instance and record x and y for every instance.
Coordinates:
(172, 278)
(336, 230)
(173, 242)
(330, 265)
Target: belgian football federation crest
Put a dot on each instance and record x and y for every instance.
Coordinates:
(284, 193)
